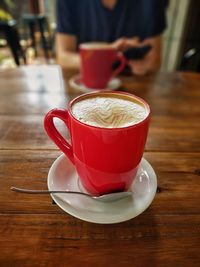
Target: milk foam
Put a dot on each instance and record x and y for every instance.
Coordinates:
(109, 112)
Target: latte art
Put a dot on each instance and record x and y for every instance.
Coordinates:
(109, 112)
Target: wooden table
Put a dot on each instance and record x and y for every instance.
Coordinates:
(35, 232)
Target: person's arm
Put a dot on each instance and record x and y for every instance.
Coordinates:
(155, 25)
(151, 61)
(66, 53)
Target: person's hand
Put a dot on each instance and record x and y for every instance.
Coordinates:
(123, 44)
(151, 61)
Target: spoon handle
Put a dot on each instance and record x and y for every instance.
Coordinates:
(30, 191)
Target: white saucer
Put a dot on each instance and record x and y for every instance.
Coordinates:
(76, 83)
(63, 176)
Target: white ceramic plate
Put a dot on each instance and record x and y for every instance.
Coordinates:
(75, 82)
(63, 176)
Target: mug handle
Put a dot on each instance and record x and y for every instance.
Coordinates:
(53, 133)
(122, 61)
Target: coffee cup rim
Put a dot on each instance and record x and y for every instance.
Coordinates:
(105, 46)
(139, 99)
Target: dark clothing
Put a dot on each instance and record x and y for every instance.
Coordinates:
(90, 20)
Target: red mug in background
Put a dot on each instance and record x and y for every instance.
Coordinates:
(96, 64)
(106, 156)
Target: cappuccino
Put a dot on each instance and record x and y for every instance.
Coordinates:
(109, 111)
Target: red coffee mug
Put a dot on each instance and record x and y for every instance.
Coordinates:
(96, 64)
(106, 159)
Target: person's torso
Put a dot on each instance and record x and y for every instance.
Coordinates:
(129, 18)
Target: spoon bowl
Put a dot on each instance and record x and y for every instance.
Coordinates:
(112, 197)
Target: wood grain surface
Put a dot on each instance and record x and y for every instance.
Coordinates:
(35, 232)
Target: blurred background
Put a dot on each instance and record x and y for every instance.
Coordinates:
(27, 34)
